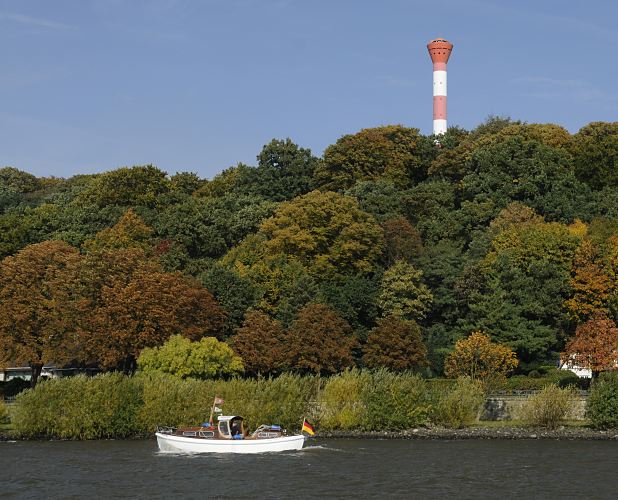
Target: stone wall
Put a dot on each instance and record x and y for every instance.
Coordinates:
(510, 407)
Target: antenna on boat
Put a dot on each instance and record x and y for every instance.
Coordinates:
(213, 409)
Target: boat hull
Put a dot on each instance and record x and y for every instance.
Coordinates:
(175, 444)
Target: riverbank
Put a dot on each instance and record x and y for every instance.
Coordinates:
(506, 432)
(480, 432)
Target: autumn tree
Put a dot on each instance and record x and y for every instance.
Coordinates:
(591, 283)
(207, 358)
(595, 345)
(260, 342)
(130, 231)
(396, 345)
(402, 241)
(403, 294)
(392, 152)
(37, 313)
(326, 232)
(133, 304)
(479, 358)
(136, 186)
(319, 341)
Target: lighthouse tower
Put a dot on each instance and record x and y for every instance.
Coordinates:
(439, 51)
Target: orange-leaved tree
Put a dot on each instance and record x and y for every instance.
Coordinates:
(259, 342)
(595, 345)
(479, 358)
(591, 283)
(319, 341)
(37, 313)
(132, 304)
(395, 344)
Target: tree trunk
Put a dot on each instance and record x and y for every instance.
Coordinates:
(129, 365)
(36, 372)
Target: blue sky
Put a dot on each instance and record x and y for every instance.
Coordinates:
(199, 85)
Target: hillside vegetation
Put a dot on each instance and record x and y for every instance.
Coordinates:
(382, 253)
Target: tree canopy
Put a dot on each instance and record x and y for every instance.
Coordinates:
(510, 228)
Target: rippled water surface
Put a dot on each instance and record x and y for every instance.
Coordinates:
(326, 468)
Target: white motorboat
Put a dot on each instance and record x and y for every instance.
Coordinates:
(229, 436)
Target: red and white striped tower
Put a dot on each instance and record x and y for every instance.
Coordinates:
(439, 51)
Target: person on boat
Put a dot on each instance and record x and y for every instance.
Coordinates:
(236, 429)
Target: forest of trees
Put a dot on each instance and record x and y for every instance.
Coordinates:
(382, 253)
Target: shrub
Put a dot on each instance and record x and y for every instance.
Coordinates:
(549, 407)
(394, 401)
(458, 405)
(602, 407)
(173, 402)
(79, 408)
(4, 413)
(339, 401)
(561, 378)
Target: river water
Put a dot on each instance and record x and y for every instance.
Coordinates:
(333, 468)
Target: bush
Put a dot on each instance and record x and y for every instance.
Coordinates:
(561, 378)
(4, 413)
(602, 407)
(549, 407)
(339, 401)
(169, 401)
(394, 401)
(79, 407)
(459, 405)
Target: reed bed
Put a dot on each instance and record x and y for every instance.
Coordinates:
(113, 405)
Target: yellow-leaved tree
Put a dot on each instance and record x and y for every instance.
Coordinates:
(479, 358)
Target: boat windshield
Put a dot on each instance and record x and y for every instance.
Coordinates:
(224, 429)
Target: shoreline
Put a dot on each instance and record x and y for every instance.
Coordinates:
(506, 432)
(564, 433)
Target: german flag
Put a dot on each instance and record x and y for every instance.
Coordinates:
(308, 428)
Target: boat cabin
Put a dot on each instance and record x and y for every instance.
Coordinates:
(228, 427)
(231, 427)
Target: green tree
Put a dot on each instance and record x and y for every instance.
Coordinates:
(402, 293)
(380, 198)
(20, 181)
(126, 187)
(209, 227)
(393, 152)
(207, 358)
(595, 154)
(284, 170)
(326, 232)
(234, 293)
